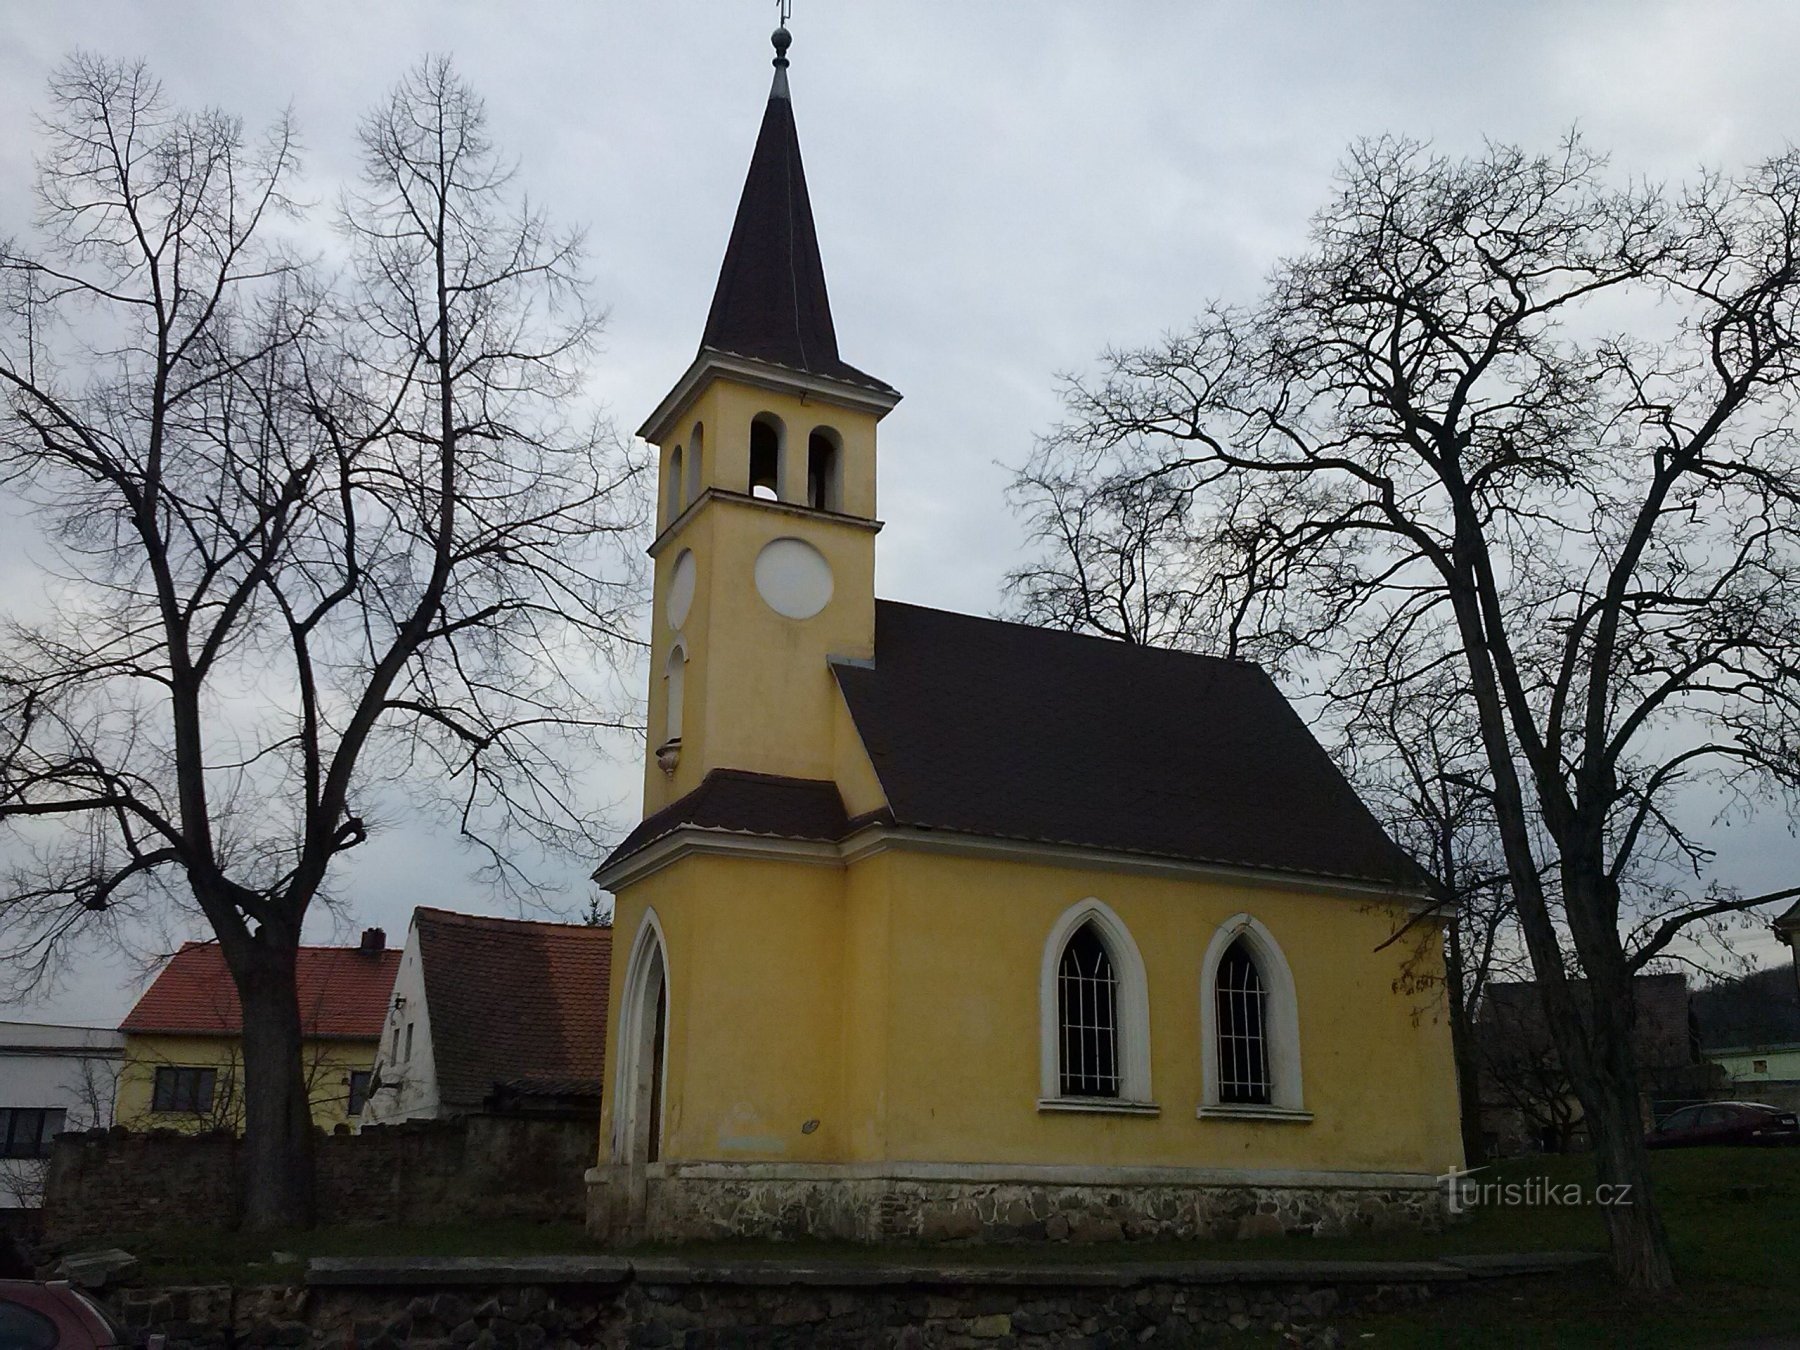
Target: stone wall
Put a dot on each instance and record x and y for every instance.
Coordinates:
(705, 1202)
(110, 1182)
(766, 1308)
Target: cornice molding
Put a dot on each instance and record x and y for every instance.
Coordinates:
(760, 375)
(660, 544)
(878, 838)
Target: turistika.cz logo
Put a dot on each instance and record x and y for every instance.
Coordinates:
(1465, 1193)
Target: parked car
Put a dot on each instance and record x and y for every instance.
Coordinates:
(1725, 1123)
(53, 1316)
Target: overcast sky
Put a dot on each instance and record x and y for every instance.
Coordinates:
(1000, 190)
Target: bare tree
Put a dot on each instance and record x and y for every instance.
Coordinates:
(325, 542)
(1507, 414)
(1121, 557)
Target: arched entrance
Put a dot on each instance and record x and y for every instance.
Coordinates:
(643, 1047)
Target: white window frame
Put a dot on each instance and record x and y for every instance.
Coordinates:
(624, 1051)
(1131, 1008)
(1281, 1027)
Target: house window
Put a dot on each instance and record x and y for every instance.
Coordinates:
(1242, 1013)
(409, 1034)
(1759, 1066)
(185, 1090)
(26, 1132)
(823, 492)
(765, 457)
(1087, 1013)
(359, 1089)
(1095, 1016)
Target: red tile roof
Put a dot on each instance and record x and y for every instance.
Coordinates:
(515, 1004)
(344, 993)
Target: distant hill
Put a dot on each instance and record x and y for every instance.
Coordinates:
(1758, 1010)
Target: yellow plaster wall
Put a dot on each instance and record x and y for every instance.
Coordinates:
(896, 1001)
(967, 940)
(772, 706)
(754, 953)
(327, 1065)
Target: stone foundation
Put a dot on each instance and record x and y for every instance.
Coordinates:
(712, 1201)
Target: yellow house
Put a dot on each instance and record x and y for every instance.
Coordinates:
(943, 927)
(183, 1062)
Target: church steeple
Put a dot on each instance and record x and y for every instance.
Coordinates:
(770, 303)
(765, 548)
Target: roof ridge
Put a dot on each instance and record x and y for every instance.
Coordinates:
(459, 917)
(1068, 633)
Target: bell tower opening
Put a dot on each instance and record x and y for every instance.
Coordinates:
(766, 437)
(824, 458)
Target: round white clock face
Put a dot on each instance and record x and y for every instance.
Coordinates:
(681, 589)
(793, 578)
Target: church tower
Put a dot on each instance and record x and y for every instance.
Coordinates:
(765, 545)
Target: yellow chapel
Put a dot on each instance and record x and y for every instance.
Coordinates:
(939, 927)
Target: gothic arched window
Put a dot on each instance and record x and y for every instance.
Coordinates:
(1249, 1026)
(1094, 1015)
(1242, 1026)
(1087, 995)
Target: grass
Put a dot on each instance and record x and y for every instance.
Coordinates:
(1733, 1217)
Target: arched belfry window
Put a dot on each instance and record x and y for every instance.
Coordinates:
(766, 438)
(696, 467)
(1249, 1026)
(1095, 1013)
(1087, 1018)
(824, 467)
(674, 488)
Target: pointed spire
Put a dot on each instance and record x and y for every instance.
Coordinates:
(771, 303)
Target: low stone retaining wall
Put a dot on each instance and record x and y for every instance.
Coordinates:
(448, 1304)
(110, 1182)
(711, 1201)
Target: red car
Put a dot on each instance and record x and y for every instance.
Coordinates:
(53, 1316)
(1725, 1123)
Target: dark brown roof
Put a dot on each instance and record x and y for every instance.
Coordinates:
(980, 727)
(513, 1002)
(771, 303)
(343, 994)
(1002, 729)
(746, 803)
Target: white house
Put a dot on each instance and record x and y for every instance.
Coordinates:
(52, 1078)
(493, 1015)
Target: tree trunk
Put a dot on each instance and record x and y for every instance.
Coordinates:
(1640, 1247)
(1463, 1050)
(277, 1186)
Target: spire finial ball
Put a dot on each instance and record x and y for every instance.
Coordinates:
(782, 40)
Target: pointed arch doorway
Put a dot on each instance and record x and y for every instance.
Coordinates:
(643, 1068)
